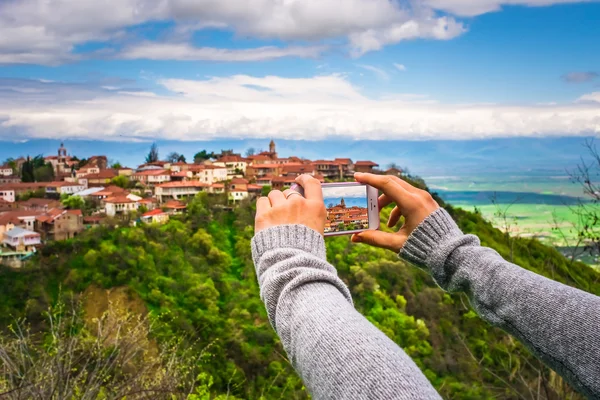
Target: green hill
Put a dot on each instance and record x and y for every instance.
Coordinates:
(195, 278)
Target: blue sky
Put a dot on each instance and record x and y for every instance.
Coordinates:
(136, 71)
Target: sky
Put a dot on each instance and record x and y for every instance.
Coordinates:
(498, 72)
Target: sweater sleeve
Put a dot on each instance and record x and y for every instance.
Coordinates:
(335, 350)
(558, 323)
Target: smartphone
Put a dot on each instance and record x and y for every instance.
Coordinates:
(352, 207)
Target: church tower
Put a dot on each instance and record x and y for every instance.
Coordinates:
(272, 146)
(343, 203)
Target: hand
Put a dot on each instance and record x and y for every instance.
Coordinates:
(412, 203)
(282, 208)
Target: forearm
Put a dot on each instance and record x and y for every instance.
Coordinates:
(335, 350)
(560, 324)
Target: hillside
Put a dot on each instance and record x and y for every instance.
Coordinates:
(195, 277)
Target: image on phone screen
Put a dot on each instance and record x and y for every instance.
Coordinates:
(347, 208)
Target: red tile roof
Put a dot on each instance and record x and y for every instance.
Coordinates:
(218, 186)
(239, 181)
(153, 172)
(183, 184)
(158, 211)
(175, 205)
(103, 174)
(366, 164)
(181, 174)
(119, 199)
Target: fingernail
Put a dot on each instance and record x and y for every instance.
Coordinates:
(356, 239)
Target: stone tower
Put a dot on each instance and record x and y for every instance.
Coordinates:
(343, 203)
(272, 147)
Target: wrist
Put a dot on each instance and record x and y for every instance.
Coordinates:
(433, 232)
(295, 236)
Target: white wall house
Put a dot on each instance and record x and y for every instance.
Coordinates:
(179, 190)
(238, 195)
(21, 239)
(7, 195)
(5, 170)
(211, 174)
(119, 205)
(64, 188)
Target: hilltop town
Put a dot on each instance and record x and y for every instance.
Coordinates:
(57, 197)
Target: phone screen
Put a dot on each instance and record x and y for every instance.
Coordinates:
(347, 208)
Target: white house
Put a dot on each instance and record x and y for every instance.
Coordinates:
(119, 205)
(238, 195)
(235, 165)
(64, 188)
(21, 239)
(178, 190)
(152, 176)
(6, 170)
(211, 173)
(7, 195)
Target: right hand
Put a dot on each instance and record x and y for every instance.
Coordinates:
(412, 203)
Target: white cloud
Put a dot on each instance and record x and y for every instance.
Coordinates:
(591, 97)
(400, 67)
(380, 73)
(186, 52)
(245, 107)
(467, 8)
(47, 32)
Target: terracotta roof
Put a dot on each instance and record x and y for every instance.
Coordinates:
(226, 159)
(181, 174)
(366, 164)
(62, 183)
(119, 199)
(103, 174)
(218, 186)
(183, 184)
(265, 166)
(92, 219)
(239, 191)
(147, 201)
(39, 202)
(254, 187)
(75, 212)
(343, 160)
(153, 172)
(325, 162)
(174, 204)
(298, 168)
(284, 179)
(239, 181)
(23, 185)
(158, 211)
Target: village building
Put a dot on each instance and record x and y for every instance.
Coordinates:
(237, 195)
(266, 180)
(7, 206)
(260, 170)
(174, 207)
(7, 195)
(10, 179)
(24, 187)
(236, 165)
(57, 224)
(152, 176)
(119, 205)
(55, 189)
(239, 184)
(6, 170)
(394, 171)
(210, 173)
(179, 190)
(365, 166)
(181, 176)
(217, 188)
(102, 178)
(21, 240)
(157, 216)
(41, 205)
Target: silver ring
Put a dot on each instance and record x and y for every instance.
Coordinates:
(291, 193)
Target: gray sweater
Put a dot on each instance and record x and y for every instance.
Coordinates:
(341, 355)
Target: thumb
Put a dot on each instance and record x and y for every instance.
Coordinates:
(385, 240)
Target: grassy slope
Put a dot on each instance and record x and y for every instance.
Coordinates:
(201, 283)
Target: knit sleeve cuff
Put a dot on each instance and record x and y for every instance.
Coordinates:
(289, 236)
(436, 229)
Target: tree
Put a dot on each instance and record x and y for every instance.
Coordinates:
(250, 152)
(181, 158)
(45, 173)
(153, 154)
(116, 165)
(121, 181)
(27, 171)
(173, 157)
(203, 155)
(266, 190)
(73, 202)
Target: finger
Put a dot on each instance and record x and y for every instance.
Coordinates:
(384, 201)
(384, 240)
(262, 205)
(394, 217)
(291, 195)
(312, 187)
(276, 198)
(389, 186)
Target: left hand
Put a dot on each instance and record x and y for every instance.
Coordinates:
(286, 208)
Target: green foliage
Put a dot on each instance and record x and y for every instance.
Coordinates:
(203, 156)
(72, 202)
(152, 154)
(265, 190)
(116, 165)
(196, 277)
(121, 181)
